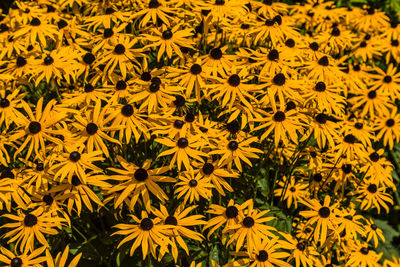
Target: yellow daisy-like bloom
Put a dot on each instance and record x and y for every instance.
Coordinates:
(133, 122)
(294, 193)
(230, 215)
(324, 97)
(302, 253)
(323, 215)
(387, 82)
(373, 232)
(120, 53)
(169, 40)
(233, 88)
(183, 148)
(93, 130)
(251, 228)
(57, 64)
(35, 128)
(61, 259)
(27, 258)
(285, 125)
(389, 128)
(193, 187)
(74, 162)
(30, 227)
(372, 196)
(136, 181)
(180, 222)
(151, 11)
(154, 93)
(148, 233)
(37, 30)
(235, 151)
(216, 174)
(361, 255)
(191, 77)
(267, 254)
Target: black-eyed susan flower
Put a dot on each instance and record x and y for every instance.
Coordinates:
(251, 228)
(28, 227)
(169, 40)
(136, 181)
(323, 216)
(236, 151)
(27, 258)
(148, 233)
(180, 223)
(191, 188)
(183, 148)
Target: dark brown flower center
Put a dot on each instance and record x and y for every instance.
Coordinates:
(374, 156)
(35, 22)
(119, 49)
(320, 87)
(290, 43)
(317, 177)
(231, 212)
(390, 122)
(216, 53)
(171, 220)
(16, 262)
(146, 224)
(233, 145)
(323, 61)
(167, 34)
(346, 168)
(372, 94)
(127, 110)
(364, 251)
(21, 61)
(350, 139)
(262, 256)
(48, 200)
(88, 58)
(208, 168)
(182, 142)
(91, 128)
(48, 60)
(248, 222)
(30, 220)
(4, 103)
(321, 118)
(34, 127)
(279, 79)
(178, 124)
(279, 116)
(273, 55)
(387, 79)
(234, 80)
(324, 212)
(74, 156)
(141, 175)
(372, 188)
(193, 183)
(195, 69)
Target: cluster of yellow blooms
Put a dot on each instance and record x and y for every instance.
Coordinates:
(156, 110)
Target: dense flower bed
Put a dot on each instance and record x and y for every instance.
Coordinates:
(199, 133)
